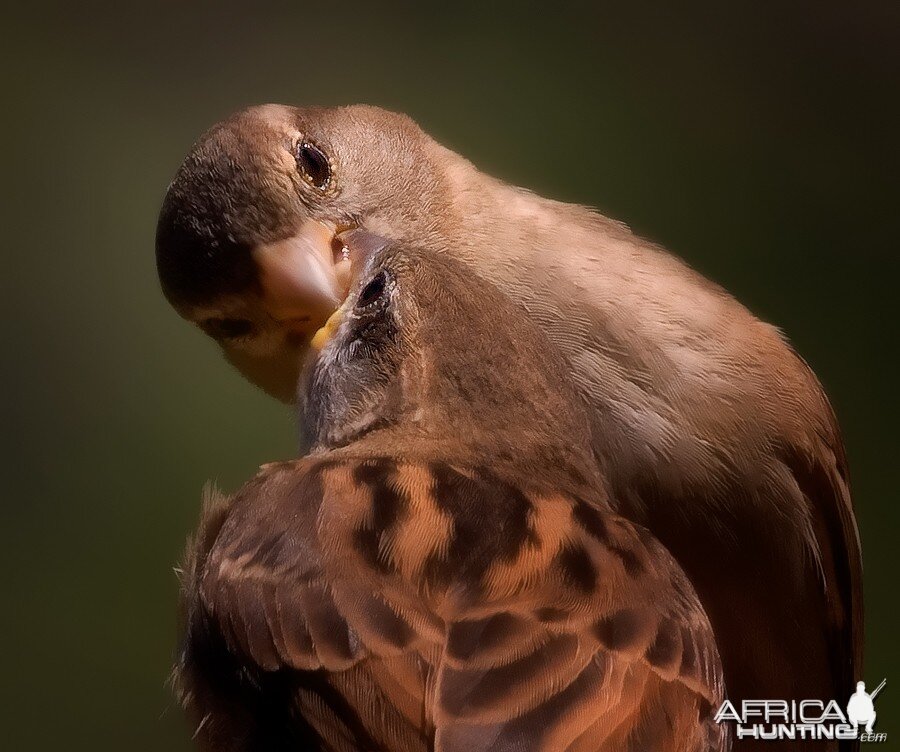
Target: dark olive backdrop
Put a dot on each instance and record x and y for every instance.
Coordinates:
(758, 144)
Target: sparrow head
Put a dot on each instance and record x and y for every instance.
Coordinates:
(425, 349)
(248, 242)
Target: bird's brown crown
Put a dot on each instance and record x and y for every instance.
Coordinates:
(423, 343)
(255, 177)
(247, 242)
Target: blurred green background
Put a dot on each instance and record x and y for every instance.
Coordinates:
(760, 143)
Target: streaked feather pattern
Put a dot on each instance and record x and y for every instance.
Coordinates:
(369, 604)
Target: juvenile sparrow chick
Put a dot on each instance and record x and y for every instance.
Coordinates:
(709, 428)
(444, 570)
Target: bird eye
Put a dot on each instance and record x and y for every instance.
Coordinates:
(226, 328)
(372, 291)
(313, 164)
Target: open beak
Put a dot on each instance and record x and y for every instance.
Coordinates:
(358, 246)
(305, 277)
(304, 281)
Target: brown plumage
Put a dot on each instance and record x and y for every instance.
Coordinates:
(422, 583)
(710, 430)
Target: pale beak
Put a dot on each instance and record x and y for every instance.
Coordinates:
(358, 246)
(304, 278)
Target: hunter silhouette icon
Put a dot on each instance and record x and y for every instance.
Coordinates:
(861, 707)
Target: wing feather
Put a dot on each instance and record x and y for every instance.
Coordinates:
(429, 605)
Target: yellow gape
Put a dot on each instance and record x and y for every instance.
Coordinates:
(327, 330)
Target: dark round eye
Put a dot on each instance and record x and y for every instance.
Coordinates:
(313, 164)
(372, 291)
(227, 328)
